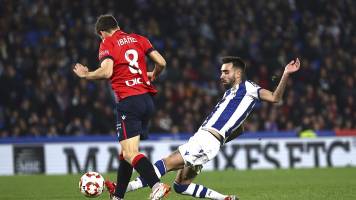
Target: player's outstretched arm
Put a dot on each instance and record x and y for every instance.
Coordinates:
(277, 95)
(103, 72)
(160, 64)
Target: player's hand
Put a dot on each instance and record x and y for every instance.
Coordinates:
(151, 76)
(81, 70)
(292, 67)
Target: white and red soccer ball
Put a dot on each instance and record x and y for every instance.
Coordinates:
(91, 184)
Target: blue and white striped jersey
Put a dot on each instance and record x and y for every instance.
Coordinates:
(236, 104)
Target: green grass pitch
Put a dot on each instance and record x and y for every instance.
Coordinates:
(297, 184)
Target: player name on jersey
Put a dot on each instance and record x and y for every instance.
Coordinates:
(126, 40)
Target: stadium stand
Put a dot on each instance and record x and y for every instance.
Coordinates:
(41, 40)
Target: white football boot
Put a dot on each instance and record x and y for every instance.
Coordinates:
(160, 192)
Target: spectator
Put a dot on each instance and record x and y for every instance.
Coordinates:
(40, 40)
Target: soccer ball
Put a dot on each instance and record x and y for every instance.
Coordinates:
(91, 184)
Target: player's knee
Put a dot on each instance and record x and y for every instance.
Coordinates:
(173, 162)
(179, 188)
(129, 155)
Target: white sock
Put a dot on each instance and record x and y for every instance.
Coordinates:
(134, 185)
(212, 194)
(200, 191)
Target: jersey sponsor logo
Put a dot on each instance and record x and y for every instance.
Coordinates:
(133, 82)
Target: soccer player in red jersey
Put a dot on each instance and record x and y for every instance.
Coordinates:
(122, 60)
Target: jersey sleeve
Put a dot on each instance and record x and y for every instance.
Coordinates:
(253, 89)
(146, 45)
(105, 50)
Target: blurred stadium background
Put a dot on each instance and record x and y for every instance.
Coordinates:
(53, 123)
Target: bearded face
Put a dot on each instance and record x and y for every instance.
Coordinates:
(230, 75)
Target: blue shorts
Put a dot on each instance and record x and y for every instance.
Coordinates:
(133, 115)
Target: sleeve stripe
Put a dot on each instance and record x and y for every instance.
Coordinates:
(149, 50)
(105, 57)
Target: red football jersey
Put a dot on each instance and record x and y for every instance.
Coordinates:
(128, 52)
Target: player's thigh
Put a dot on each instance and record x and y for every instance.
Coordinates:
(200, 148)
(147, 115)
(174, 161)
(129, 118)
(185, 176)
(145, 127)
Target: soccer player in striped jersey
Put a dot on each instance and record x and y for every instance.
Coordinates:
(221, 126)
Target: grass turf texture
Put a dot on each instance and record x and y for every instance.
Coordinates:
(313, 184)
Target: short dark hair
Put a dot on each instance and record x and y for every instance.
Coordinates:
(105, 23)
(236, 61)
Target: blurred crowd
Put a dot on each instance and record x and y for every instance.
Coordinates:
(40, 41)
